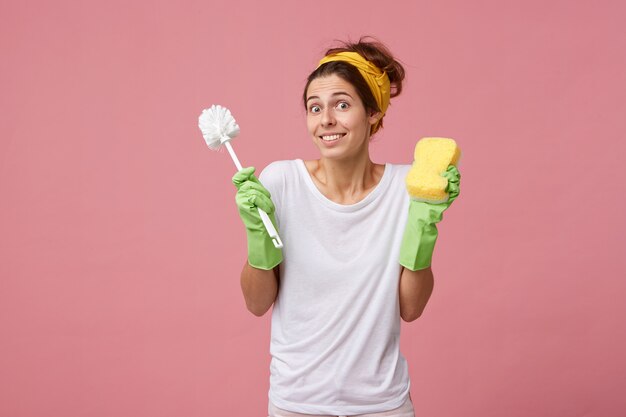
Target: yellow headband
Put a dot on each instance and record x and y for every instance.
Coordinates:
(377, 80)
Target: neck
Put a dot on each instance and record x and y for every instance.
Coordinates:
(346, 180)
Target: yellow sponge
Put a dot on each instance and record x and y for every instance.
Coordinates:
(432, 157)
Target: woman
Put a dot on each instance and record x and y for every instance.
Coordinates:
(355, 259)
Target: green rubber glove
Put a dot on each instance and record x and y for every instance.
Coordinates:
(420, 233)
(251, 194)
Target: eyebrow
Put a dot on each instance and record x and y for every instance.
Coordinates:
(339, 93)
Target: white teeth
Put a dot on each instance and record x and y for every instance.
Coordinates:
(331, 137)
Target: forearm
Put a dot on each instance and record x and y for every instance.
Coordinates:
(259, 288)
(415, 290)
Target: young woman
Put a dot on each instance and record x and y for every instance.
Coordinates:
(356, 255)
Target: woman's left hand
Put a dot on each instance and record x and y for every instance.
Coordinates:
(420, 233)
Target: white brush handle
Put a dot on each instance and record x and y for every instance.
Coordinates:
(269, 226)
(233, 156)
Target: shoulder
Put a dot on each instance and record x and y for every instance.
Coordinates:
(279, 174)
(277, 170)
(399, 170)
(397, 178)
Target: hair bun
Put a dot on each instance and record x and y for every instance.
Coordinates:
(374, 51)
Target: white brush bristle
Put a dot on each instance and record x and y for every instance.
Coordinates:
(217, 125)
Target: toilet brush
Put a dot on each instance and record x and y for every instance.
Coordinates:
(218, 128)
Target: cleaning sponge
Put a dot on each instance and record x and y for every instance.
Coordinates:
(431, 158)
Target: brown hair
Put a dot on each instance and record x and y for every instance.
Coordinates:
(375, 52)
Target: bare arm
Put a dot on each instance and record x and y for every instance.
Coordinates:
(415, 290)
(259, 287)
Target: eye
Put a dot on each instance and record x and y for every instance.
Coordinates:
(343, 105)
(314, 109)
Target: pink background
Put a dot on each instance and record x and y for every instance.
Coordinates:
(121, 246)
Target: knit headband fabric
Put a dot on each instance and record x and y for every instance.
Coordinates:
(377, 80)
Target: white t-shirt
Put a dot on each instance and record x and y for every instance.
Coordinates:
(335, 340)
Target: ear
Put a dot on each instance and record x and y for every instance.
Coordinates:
(374, 117)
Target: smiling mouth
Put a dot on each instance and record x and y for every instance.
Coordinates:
(332, 138)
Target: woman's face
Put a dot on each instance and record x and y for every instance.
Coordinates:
(336, 118)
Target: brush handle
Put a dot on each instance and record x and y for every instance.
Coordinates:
(269, 226)
(231, 151)
(271, 230)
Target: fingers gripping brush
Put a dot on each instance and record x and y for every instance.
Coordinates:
(218, 128)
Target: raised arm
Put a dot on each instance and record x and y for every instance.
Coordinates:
(418, 244)
(259, 277)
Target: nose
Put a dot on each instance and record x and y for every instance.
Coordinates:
(328, 117)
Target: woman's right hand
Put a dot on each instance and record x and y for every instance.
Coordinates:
(251, 195)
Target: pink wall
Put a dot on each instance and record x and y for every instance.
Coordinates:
(121, 246)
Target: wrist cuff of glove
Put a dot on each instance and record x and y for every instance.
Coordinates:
(262, 253)
(418, 245)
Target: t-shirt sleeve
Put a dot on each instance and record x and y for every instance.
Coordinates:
(273, 178)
